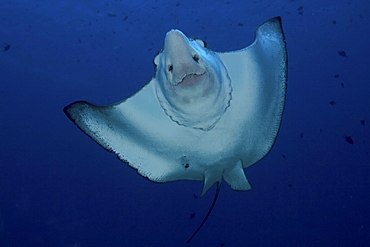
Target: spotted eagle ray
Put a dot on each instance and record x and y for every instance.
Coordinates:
(204, 115)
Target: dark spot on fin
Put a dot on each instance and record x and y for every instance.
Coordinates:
(363, 122)
(185, 162)
(332, 102)
(336, 75)
(209, 212)
(192, 216)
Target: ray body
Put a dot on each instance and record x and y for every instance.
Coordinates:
(204, 115)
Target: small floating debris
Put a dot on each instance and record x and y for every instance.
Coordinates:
(349, 140)
(342, 53)
(6, 47)
(300, 10)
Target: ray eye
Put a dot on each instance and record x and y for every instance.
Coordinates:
(196, 58)
(170, 68)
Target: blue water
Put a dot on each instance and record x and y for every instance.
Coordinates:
(59, 188)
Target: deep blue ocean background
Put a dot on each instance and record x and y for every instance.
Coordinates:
(59, 188)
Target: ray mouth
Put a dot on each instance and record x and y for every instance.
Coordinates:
(191, 78)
